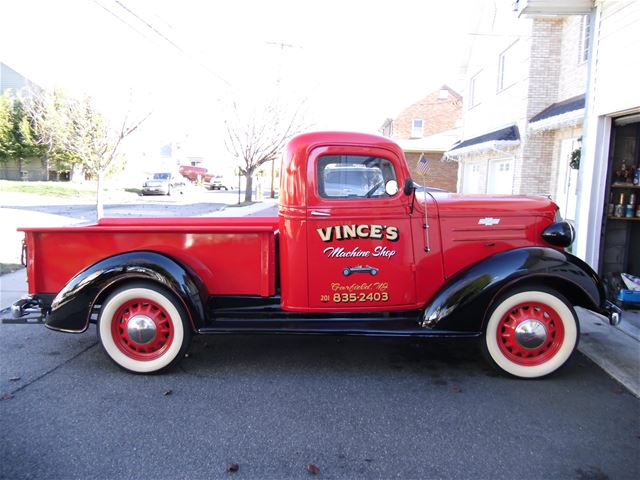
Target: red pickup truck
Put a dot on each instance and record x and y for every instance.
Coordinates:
(354, 250)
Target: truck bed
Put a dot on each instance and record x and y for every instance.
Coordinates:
(232, 256)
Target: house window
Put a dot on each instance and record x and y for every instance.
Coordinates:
(585, 39)
(506, 68)
(417, 128)
(474, 90)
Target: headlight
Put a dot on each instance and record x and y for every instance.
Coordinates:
(560, 234)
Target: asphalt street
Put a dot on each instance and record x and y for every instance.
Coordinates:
(354, 407)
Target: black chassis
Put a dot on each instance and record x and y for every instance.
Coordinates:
(458, 309)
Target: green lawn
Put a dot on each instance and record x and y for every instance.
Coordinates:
(51, 189)
(9, 267)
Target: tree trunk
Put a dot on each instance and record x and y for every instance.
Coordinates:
(99, 204)
(248, 193)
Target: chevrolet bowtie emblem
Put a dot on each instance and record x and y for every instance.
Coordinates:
(488, 221)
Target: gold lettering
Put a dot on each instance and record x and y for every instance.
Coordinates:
(376, 231)
(325, 233)
(362, 231)
(392, 234)
(349, 231)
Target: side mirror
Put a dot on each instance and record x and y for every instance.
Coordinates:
(408, 187)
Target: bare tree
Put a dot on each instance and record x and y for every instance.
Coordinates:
(74, 129)
(259, 137)
(95, 142)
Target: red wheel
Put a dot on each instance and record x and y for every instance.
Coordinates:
(143, 328)
(531, 333)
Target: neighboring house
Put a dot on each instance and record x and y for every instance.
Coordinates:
(33, 168)
(12, 80)
(526, 80)
(428, 127)
(611, 140)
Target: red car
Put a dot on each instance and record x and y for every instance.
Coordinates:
(492, 268)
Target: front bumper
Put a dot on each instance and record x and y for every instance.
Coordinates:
(155, 190)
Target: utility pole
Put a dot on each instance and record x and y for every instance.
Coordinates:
(282, 46)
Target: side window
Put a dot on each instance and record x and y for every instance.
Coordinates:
(353, 176)
(417, 128)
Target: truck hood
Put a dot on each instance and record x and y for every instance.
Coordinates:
(455, 204)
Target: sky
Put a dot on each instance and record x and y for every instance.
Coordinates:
(349, 64)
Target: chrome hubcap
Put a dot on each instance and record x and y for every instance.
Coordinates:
(141, 329)
(531, 333)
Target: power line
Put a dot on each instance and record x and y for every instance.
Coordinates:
(159, 34)
(172, 43)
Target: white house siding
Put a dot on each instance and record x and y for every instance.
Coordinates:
(548, 70)
(499, 30)
(614, 75)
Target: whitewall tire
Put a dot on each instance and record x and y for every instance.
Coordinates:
(531, 333)
(143, 328)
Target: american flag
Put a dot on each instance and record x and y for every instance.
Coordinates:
(423, 165)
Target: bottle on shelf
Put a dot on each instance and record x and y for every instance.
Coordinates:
(636, 177)
(630, 209)
(619, 210)
(612, 206)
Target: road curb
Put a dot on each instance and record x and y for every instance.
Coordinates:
(613, 350)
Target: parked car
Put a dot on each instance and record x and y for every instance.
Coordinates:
(220, 182)
(163, 183)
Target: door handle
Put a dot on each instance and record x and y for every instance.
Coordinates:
(319, 214)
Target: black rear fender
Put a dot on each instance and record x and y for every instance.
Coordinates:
(71, 309)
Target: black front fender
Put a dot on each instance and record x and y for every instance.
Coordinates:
(462, 304)
(71, 308)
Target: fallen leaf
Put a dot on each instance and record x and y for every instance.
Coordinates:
(14, 379)
(168, 392)
(6, 396)
(312, 469)
(455, 389)
(618, 390)
(233, 467)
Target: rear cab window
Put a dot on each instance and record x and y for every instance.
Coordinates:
(349, 177)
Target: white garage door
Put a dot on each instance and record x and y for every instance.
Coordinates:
(471, 178)
(500, 179)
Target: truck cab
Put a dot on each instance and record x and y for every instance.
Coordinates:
(343, 210)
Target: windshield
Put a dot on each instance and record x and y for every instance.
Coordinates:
(161, 176)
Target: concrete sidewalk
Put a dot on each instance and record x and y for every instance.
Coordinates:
(255, 209)
(12, 287)
(612, 349)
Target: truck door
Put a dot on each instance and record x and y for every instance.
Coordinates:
(360, 253)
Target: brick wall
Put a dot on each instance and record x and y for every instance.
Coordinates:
(441, 174)
(544, 65)
(439, 114)
(573, 71)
